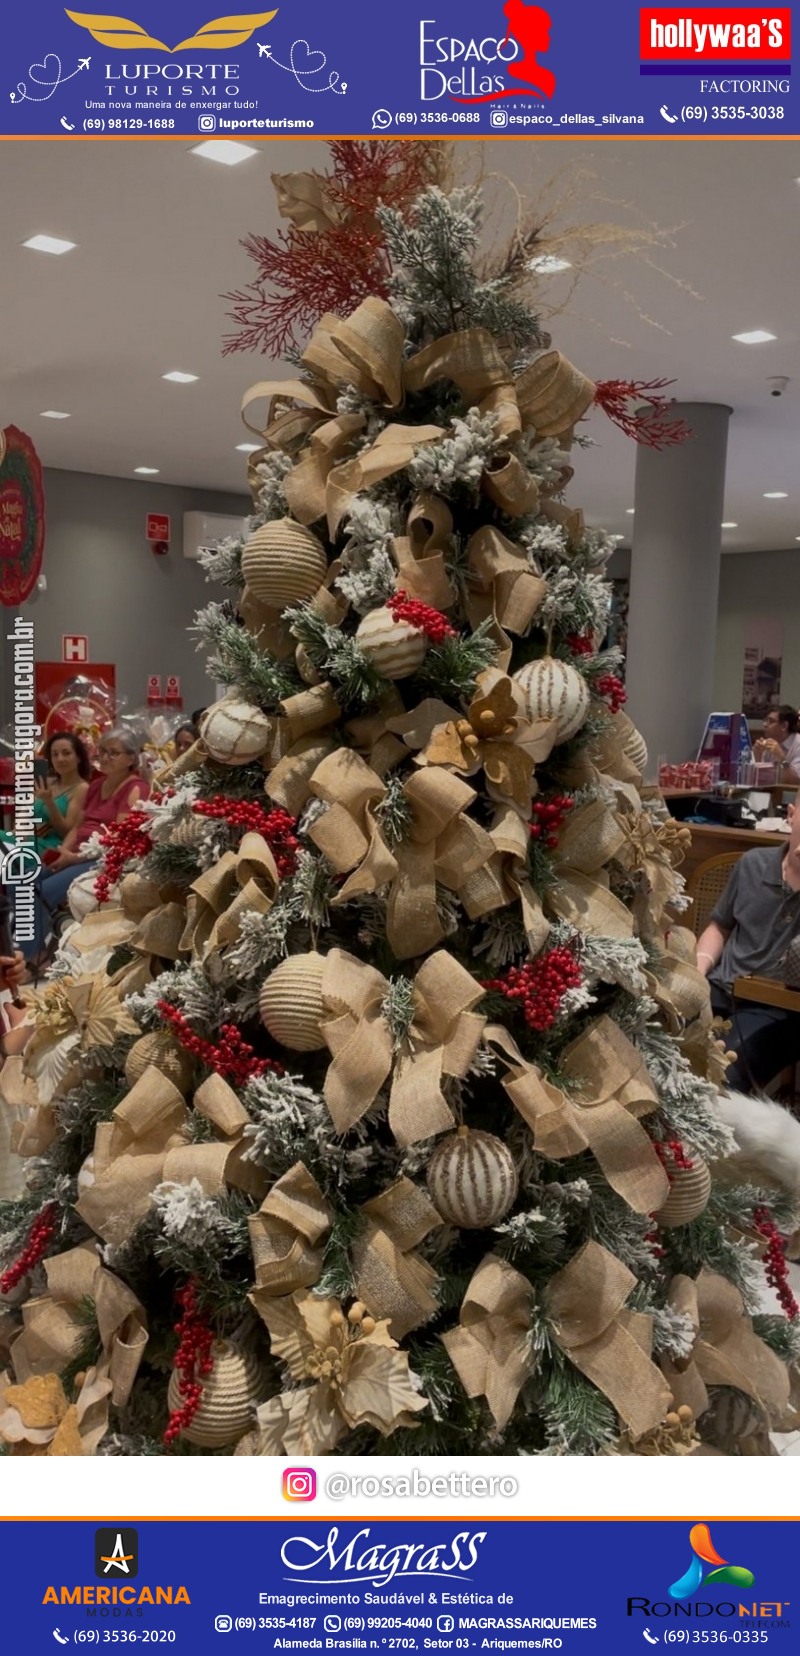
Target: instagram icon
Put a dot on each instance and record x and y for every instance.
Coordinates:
(299, 1483)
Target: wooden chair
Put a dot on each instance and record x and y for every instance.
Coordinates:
(705, 887)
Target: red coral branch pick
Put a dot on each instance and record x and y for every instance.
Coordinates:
(638, 409)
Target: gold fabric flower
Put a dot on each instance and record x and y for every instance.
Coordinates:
(494, 736)
(358, 1377)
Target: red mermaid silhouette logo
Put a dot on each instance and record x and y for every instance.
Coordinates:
(529, 27)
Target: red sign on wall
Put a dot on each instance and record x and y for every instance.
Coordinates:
(21, 516)
(74, 647)
(157, 526)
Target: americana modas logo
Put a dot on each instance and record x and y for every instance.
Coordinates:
(116, 1554)
(222, 33)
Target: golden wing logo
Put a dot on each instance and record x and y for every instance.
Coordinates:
(222, 33)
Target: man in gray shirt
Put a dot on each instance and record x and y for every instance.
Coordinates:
(748, 935)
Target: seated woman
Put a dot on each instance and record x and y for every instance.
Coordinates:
(61, 798)
(183, 738)
(110, 796)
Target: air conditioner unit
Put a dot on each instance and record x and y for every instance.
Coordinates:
(203, 530)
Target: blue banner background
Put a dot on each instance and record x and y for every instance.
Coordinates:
(357, 69)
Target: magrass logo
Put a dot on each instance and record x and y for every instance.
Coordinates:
(704, 1552)
(116, 1554)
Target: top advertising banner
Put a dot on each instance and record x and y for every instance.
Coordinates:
(472, 69)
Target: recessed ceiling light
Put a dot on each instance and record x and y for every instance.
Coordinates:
(757, 336)
(617, 537)
(629, 511)
(776, 494)
(49, 244)
(53, 414)
(146, 471)
(546, 264)
(248, 448)
(179, 377)
(225, 150)
(729, 526)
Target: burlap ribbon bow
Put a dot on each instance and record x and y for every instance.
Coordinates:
(365, 350)
(420, 553)
(442, 1040)
(440, 844)
(240, 882)
(585, 1301)
(490, 1349)
(53, 1330)
(390, 1279)
(611, 1090)
(726, 1352)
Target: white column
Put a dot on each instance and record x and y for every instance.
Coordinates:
(672, 618)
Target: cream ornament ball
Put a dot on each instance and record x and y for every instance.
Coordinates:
(554, 690)
(283, 564)
(159, 1048)
(231, 1393)
(395, 648)
(81, 899)
(689, 1190)
(635, 747)
(235, 732)
(291, 1004)
(472, 1179)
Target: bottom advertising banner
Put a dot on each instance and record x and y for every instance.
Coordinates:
(468, 1584)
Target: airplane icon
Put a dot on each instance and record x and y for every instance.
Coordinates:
(83, 63)
(263, 50)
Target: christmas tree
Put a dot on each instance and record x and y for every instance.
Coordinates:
(371, 1104)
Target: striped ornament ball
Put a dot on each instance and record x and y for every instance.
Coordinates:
(554, 690)
(472, 1179)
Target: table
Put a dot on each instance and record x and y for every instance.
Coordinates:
(711, 840)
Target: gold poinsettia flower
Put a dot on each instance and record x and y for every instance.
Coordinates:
(358, 1375)
(494, 736)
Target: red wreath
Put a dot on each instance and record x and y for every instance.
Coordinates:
(21, 517)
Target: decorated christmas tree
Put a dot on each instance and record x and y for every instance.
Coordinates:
(371, 1105)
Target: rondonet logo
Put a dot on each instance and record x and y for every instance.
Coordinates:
(715, 34)
(681, 1601)
(361, 1559)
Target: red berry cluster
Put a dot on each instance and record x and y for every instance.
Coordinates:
(611, 689)
(429, 621)
(548, 819)
(653, 1239)
(581, 644)
(776, 1269)
(192, 1359)
(123, 841)
(277, 827)
(672, 1156)
(232, 1056)
(40, 1236)
(540, 985)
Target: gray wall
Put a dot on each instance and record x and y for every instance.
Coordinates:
(756, 583)
(103, 580)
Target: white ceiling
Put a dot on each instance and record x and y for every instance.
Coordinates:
(159, 230)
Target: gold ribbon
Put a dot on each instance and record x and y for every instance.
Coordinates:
(727, 1351)
(441, 844)
(642, 852)
(585, 1301)
(240, 882)
(490, 1349)
(502, 585)
(611, 1090)
(365, 350)
(420, 553)
(442, 1041)
(390, 1279)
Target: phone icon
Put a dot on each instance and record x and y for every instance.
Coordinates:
(650, 1637)
(67, 128)
(59, 1636)
(672, 120)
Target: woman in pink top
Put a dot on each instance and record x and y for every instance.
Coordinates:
(112, 794)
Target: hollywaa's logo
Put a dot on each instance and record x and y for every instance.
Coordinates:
(222, 33)
(527, 38)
